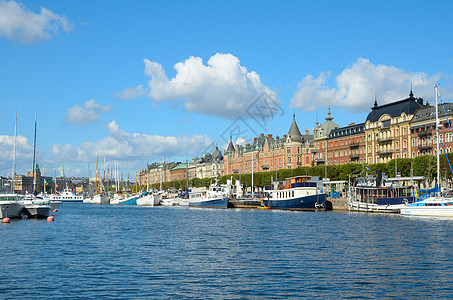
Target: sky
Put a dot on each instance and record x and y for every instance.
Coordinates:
(137, 82)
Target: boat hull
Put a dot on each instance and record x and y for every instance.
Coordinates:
(433, 211)
(38, 211)
(128, 201)
(210, 203)
(311, 202)
(11, 210)
(149, 200)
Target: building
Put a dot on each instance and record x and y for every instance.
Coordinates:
(269, 154)
(385, 135)
(387, 129)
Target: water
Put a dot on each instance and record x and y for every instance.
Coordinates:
(129, 252)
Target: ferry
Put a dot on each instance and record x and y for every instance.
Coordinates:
(299, 193)
(67, 195)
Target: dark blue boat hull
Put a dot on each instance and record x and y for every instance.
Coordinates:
(214, 203)
(314, 202)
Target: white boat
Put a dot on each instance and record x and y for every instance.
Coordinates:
(149, 199)
(67, 195)
(97, 199)
(11, 206)
(116, 199)
(216, 197)
(36, 207)
(437, 205)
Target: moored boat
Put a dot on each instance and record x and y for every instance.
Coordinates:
(10, 206)
(369, 195)
(149, 199)
(216, 197)
(67, 195)
(300, 193)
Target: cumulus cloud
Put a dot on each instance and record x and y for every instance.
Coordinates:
(24, 154)
(131, 93)
(89, 113)
(131, 150)
(221, 88)
(357, 85)
(19, 23)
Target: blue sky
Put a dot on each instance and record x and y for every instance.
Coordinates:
(137, 81)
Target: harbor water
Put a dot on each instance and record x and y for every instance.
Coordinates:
(131, 252)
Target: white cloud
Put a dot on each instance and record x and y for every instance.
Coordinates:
(131, 93)
(131, 150)
(19, 23)
(222, 88)
(357, 84)
(89, 113)
(24, 154)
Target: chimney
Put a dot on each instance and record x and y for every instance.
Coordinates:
(306, 131)
(269, 136)
(261, 135)
(351, 124)
(285, 136)
(277, 137)
(254, 140)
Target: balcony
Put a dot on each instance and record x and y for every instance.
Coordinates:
(354, 157)
(354, 145)
(385, 152)
(425, 133)
(384, 140)
(424, 148)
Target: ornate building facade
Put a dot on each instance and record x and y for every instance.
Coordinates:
(269, 154)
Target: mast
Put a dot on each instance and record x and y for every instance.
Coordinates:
(13, 176)
(96, 183)
(34, 160)
(252, 174)
(437, 139)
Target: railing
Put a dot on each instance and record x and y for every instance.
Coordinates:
(354, 145)
(384, 140)
(354, 156)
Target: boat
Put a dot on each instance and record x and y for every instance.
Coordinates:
(116, 198)
(36, 207)
(373, 194)
(67, 195)
(11, 206)
(97, 199)
(149, 199)
(437, 204)
(216, 197)
(299, 193)
(129, 200)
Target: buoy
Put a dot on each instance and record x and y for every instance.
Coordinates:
(55, 210)
(6, 220)
(50, 219)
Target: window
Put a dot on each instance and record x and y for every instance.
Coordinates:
(288, 150)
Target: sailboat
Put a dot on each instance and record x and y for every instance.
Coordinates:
(437, 205)
(10, 205)
(36, 207)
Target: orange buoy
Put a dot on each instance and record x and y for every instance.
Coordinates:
(6, 220)
(50, 219)
(55, 210)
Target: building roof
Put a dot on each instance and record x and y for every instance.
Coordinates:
(325, 129)
(429, 113)
(294, 132)
(408, 106)
(180, 166)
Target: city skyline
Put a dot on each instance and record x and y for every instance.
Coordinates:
(139, 83)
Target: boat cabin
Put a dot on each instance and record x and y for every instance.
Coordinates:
(299, 181)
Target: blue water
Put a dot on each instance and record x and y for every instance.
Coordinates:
(132, 252)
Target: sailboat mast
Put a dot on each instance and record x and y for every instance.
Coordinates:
(437, 138)
(14, 156)
(96, 183)
(34, 159)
